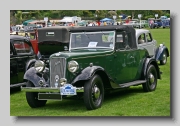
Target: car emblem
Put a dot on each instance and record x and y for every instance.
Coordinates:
(57, 78)
(56, 63)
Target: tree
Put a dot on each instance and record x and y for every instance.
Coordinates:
(18, 17)
(111, 13)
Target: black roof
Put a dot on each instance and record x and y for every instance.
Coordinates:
(18, 37)
(21, 38)
(127, 28)
(61, 34)
(54, 27)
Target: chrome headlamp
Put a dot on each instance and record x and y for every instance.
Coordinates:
(73, 66)
(39, 66)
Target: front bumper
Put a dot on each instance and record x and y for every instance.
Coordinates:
(47, 89)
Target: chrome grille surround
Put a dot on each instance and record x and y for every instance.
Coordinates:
(57, 67)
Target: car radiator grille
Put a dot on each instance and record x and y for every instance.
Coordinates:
(57, 68)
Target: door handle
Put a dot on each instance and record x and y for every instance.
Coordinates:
(132, 57)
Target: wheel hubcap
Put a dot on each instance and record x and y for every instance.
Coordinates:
(96, 92)
(151, 78)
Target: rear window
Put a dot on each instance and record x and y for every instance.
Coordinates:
(22, 47)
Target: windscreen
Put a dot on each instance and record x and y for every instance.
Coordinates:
(102, 39)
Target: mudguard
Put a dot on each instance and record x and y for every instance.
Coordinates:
(87, 73)
(149, 61)
(30, 63)
(159, 52)
(32, 76)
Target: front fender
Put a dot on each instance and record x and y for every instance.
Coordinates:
(30, 63)
(159, 52)
(87, 73)
(32, 76)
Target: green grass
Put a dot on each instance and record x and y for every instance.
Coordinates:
(131, 102)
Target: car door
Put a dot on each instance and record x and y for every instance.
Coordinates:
(126, 60)
(150, 44)
(13, 66)
(24, 53)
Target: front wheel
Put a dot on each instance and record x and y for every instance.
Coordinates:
(151, 77)
(32, 98)
(164, 58)
(94, 93)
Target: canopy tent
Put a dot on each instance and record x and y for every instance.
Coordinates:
(67, 19)
(123, 16)
(26, 22)
(106, 19)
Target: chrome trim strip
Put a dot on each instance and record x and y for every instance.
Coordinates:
(47, 89)
(93, 56)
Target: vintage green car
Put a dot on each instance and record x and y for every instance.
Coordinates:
(99, 59)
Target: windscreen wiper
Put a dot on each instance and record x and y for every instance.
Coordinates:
(87, 36)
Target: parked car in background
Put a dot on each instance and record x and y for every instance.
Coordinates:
(21, 58)
(82, 23)
(49, 24)
(159, 52)
(158, 23)
(99, 59)
(165, 23)
(132, 23)
(30, 33)
(142, 24)
(53, 39)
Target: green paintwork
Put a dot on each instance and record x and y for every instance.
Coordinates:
(119, 65)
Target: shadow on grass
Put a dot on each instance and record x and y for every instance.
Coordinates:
(14, 90)
(77, 104)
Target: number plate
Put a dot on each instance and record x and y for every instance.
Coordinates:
(68, 89)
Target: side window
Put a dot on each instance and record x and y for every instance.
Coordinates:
(149, 38)
(128, 41)
(141, 39)
(123, 41)
(22, 47)
(120, 44)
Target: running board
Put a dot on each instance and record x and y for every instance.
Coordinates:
(137, 82)
(17, 85)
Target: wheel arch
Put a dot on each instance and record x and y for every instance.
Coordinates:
(32, 76)
(159, 52)
(147, 63)
(29, 63)
(88, 73)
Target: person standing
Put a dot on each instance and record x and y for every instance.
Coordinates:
(98, 22)
(101, 24)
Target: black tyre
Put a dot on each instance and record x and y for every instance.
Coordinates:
(151, 77)
(94, 93)
(18, 88)
(32, 98)
(164, 58)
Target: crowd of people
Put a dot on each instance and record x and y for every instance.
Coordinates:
(102, 23)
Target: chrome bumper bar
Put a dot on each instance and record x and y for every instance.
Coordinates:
(47, 89)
